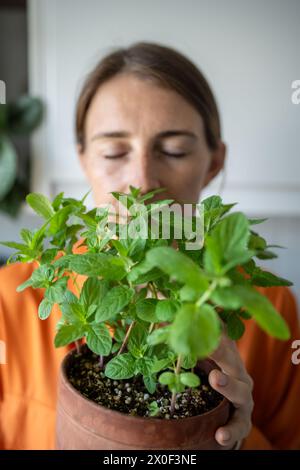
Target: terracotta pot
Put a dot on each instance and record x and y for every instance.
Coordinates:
(83, 424)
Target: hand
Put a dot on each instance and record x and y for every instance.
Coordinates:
(236, 385)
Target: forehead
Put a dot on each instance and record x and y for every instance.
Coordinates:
(133, 104)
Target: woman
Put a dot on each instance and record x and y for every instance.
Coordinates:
(146, 117)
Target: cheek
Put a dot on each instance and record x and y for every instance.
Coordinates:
(186, 176)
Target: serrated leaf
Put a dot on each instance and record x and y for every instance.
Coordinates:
(144, 365)
(189, 379)
(45, 308)
(166, 309)
(96, 264)
(137, 339)
(178, 266)
(195, 331)
(114, 302)
(145, 310)
(150, 384)
(93, 291)
(99, 340)
(41, 205)
(120, 367)
(69, 333)
(167, 378)
(161, 335)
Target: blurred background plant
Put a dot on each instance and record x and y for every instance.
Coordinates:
(18, 119)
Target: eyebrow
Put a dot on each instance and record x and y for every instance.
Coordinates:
(160, 135)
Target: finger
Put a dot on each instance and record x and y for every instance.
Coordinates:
(238, 428)
(236, 391)
(227, 357)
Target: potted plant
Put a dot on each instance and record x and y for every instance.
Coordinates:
(150, 310)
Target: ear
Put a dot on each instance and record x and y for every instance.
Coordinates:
(216, 163)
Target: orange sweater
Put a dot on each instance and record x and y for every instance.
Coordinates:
(28, 380)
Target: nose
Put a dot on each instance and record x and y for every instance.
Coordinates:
(144, 173)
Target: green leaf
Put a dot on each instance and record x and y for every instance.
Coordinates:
(45, 308)
(27, 236)
(57, 201)
(69, 333)
(73, 312)
(97, 264)
(41, 205)
(189, 379)
(42, 276)
(263, 311)
(24, 285)
(120, 367)
(137, 340)
(235, 327)
(93, 291)
(114, 302)
(264, 278)
(144, 365)
(23, 249)
(256, 221)
(58, 221)
(145, 310)
(161, 364)
(167, 378)
(143, 272)
(178, 266)
(49, 255)
(99, 340)
(188, 362)
(227, 244)
(224, 297)
(115, 347)
(161, 335)
(150, 383)
(55, 294)
(195, 331)
(166, 309)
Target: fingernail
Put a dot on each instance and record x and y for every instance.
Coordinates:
(222, 380)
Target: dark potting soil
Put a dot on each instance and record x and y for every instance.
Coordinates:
(131, 397)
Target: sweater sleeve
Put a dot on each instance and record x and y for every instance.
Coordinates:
(276, 423)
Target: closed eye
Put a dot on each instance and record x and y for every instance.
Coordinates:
(119, 155)
(169, 154)
(175, 155)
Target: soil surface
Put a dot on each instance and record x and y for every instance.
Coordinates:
(131, 397)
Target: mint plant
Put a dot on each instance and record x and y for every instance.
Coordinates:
(148, 305)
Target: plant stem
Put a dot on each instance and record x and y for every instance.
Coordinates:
(153, 290)
(101, 362)
(174, 394)
(75, 284)
(204, 297)
(126, 338)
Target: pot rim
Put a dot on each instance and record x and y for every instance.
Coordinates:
(127, 417)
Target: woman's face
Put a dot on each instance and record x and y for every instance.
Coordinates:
(138, 133)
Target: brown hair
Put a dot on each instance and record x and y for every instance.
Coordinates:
(162, 64)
